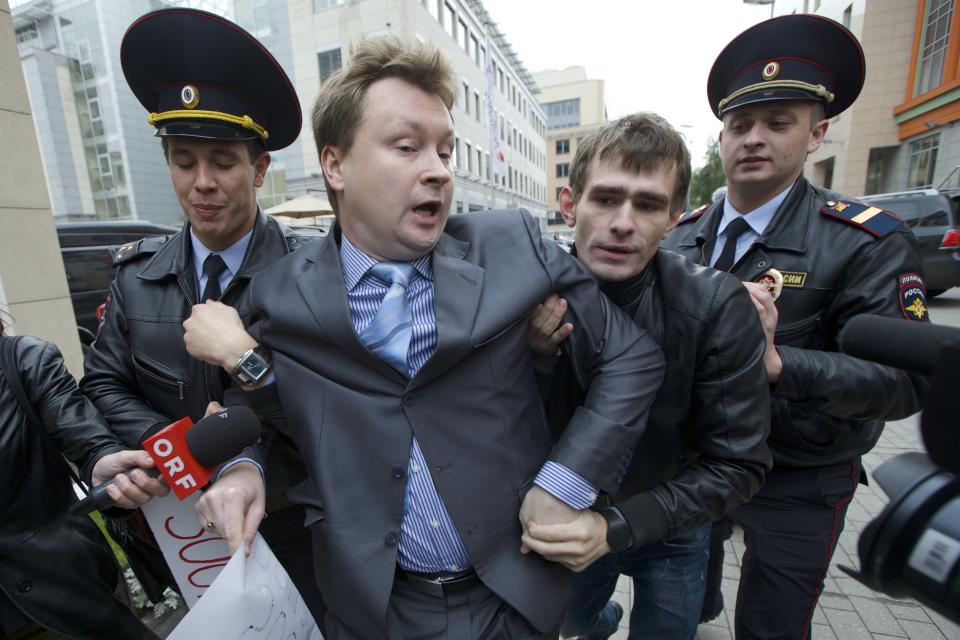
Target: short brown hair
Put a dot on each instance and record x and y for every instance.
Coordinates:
(640, 142)
(338, 109)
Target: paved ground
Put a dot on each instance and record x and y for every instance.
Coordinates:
(848, 610)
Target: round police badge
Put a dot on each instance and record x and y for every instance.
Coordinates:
(771, 70)
(773, 281)
(189, 96)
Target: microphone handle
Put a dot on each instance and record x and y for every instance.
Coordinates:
(99, 499)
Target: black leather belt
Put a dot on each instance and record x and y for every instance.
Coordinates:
(439, 585)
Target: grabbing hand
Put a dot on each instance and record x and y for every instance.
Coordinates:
(234, 506)
(546, 330)
(767, 309)
(576, 545)
(130, 491)
(541, 507)
(215, 334)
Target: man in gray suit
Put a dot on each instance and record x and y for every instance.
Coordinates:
(395, 354)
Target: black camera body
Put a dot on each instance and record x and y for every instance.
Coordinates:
(913, 547)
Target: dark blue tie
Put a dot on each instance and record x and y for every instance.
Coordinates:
(388, 334)
(213, 267)
(733, 232)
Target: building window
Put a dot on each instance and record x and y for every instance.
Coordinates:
(923, 161)
(466, 98)
(847, 15)
(933, 49)
(433, 6)
(563, 146)
(563, 169)
(329, 62)
(476, 105)
(320, 5)
(565, 113)
(469, 148)
(462, 38)
(449, 25)
(456, 151)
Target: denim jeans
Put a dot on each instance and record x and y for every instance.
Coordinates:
(668, 584)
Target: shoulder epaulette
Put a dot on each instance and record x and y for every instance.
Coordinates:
(127, 252)
(694, 215)
(873, 220)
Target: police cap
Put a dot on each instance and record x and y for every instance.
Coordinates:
(200, 75)
(795, 57)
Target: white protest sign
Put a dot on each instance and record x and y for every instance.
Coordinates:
(195, 556)
(252, 599)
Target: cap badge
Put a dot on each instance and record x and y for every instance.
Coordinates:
(189, 96)
(771, 71)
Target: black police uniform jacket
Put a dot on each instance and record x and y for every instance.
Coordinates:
(827, 407)
(138, 372)
(704, 451)
(55, 569)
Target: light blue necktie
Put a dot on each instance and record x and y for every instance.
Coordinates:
(388, 334)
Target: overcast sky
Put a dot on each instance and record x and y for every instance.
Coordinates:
(652, 55)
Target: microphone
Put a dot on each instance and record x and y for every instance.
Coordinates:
(186, 453)
(896, 342)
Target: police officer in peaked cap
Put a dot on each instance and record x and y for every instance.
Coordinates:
(220, 102)
(811, 260)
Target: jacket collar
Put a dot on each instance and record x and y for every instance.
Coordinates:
(788, 231)
(173, 258)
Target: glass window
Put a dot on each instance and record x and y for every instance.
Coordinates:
(320, 5)
(448, 24)
(329, 62)
(563, 146)
(923, 161)
(565, 113)
(469, 148)
(433, 6)
(462, 38)
(933, 49)
(476, 105)
(563, 169)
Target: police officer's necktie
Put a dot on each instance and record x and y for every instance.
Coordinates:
(213, 267)
(388, 334)
(733, 231)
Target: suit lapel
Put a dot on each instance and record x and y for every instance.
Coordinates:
(457, 285)
(323, 290)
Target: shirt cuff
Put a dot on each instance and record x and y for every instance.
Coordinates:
(565, 485)
(229, 463)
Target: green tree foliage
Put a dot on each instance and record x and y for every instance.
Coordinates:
(707, 178)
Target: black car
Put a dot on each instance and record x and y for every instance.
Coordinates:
(932, 215)
(87, 249)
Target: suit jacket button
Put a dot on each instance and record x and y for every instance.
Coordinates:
(24, 585)
(391, 539)
(397, 472)
(408, 399)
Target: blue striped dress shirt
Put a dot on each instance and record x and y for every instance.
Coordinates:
(428, 538)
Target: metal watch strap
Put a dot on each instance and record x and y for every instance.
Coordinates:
(619, 533)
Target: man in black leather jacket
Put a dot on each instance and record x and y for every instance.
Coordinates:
(704, 450)
(138, 372)
(773, 86)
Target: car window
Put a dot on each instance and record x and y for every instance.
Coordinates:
(88, 269)
(909, 210)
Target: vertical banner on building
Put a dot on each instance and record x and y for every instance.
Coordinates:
(497, 157)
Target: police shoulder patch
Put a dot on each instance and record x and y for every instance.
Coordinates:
(873, 220)
(694, 215)
(127, 252)
(913, 296)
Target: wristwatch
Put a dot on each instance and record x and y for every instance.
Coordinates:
(252, 366)
(619, 533)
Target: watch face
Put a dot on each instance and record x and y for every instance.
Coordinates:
(253, 367)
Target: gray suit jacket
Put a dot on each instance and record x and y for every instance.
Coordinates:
(473, 407)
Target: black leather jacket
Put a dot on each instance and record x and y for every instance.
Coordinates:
(704, 450)
(55, 569)
(138, 372)
(827, 407)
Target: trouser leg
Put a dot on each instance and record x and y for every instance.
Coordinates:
(791, 528)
